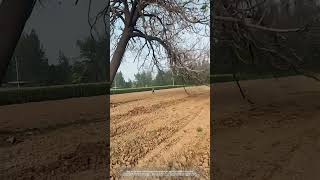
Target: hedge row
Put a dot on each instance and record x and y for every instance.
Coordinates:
(221, 78)
(244, 76)
(36, 94)
(131, 90)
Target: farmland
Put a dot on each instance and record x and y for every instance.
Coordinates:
(167, 129)
(65, 139)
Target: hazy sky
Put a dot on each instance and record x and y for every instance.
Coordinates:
(60, 26)
(129, 67)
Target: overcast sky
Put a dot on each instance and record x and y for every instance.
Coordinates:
(59, 26)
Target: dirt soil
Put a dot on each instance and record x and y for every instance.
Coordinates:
(277, 138)
(165, 130)
(62, 139)
(65, 139)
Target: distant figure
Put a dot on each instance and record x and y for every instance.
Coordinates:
(152, 90)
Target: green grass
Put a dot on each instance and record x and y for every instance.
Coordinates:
(199, 129)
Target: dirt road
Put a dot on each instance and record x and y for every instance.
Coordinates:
(62, 139)
(277, 138)
(65, 139)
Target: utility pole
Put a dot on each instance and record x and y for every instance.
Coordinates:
(172, 78)
(17, 71)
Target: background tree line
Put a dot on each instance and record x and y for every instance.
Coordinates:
(163, 78)
(33, 64)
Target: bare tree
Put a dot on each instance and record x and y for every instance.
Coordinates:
(252, 27)
(156, 25)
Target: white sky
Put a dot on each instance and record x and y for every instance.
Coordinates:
(129, 68)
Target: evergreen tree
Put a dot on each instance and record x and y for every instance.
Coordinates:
(119, 81)
(32, 62)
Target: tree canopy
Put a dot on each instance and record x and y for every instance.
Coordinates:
(157, 27)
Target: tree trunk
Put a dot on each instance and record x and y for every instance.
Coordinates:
(118, 54)
(13, 17)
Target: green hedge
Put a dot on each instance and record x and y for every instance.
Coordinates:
(34, 94)
(131, 90)
(246, 76)
(221, 78)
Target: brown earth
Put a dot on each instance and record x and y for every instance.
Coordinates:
(65, 139)
(62, 139)
(277, 138)
(165, 130)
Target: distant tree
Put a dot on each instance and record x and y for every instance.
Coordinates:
(79, 72)
(204, 72)
(11, 74)
(129, 84)
(143, 79)
(163, 78)
(119, 81)
(52, 75)
(62, 72)
(32, 62)
(94, 56)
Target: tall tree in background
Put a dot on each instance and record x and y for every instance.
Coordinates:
(163, 78)
(119, 81)
(93, 54)
(62, 72)
(129, 84)
(143, 79)
(31, 58)
(79, 72)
